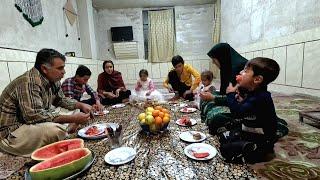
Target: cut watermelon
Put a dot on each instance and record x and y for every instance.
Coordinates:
(62, 165)
(56, 148)
(201, 155)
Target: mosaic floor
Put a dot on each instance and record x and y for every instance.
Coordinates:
(162, 157)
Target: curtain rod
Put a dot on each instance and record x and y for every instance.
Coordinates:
(157, 8)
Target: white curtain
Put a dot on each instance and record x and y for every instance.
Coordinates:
(161, 39)
(217, 22)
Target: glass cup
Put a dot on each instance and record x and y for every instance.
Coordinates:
(115, 139)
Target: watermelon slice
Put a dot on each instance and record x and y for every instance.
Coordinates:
(62, 165)
(201, 155)
(56, 148)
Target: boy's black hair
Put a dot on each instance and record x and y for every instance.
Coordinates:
(83, 71)
(207, 75)
(176, 60)
(143, 71)
(268, 68)
(46, 56)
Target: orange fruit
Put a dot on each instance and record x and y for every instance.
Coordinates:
(158, 108)
(155, 113)
(158, 121)
(161, 114)
(167, 115)
(166, 119)
(164, 110)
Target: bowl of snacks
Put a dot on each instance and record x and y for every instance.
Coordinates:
(154, 120)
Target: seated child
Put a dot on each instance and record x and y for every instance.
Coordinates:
(145, 89)
(205, 86)
(254, 140)
(208, 107)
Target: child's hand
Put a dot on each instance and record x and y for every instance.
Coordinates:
(231, 88)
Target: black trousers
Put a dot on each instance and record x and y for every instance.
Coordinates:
(179, 86)
(122, 95)
(241, 147)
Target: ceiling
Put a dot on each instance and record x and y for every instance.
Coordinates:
(121, 4)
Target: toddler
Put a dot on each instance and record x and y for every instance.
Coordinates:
(145, 89)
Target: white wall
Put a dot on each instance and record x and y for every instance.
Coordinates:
(16, 32)
(248, 21)
(13, 63)
(194, 26)
(107, 18)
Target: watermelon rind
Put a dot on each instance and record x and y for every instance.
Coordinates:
(37, 154)
(62, 171)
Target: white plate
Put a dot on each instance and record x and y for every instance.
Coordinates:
(118, 106)
(120, 155)
(193, 122)
(101, 127)
(104, 113)
(188, 110)
(200, 147)
(182, 105)
(188, 136)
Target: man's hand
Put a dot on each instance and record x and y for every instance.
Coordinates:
(84, 107)
(81, 118)
(98, 107)
(206, 96)
(231, 88)
(186, 93)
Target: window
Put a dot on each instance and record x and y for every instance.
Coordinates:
(146, 28)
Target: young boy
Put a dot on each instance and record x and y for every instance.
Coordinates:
(255, 138)
(183, 79)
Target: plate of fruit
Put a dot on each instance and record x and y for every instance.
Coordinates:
(200, 151)
(188, 110)
(154, 119)
(186, 121)
(192, 136)
(95, 131)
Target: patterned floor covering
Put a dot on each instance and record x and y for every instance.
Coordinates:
(297, 154)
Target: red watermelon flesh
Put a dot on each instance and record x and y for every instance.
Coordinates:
(62, 165)
(63, 159)
(53, 149)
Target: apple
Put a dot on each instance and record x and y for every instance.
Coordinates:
(142, 116)
(149, 109)
(143, 121)
(149, 119)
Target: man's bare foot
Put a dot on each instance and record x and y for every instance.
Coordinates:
(72, 128)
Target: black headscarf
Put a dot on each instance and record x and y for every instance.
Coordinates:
(231, 63)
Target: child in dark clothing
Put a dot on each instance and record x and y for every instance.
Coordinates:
(254, 139)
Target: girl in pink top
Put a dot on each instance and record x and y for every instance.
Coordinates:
(144, 88)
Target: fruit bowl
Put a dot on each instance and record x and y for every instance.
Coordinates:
(154, 120)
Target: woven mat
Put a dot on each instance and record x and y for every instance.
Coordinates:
(10, 164)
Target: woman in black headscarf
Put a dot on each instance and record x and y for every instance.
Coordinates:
(213, 108)
(230, 63)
